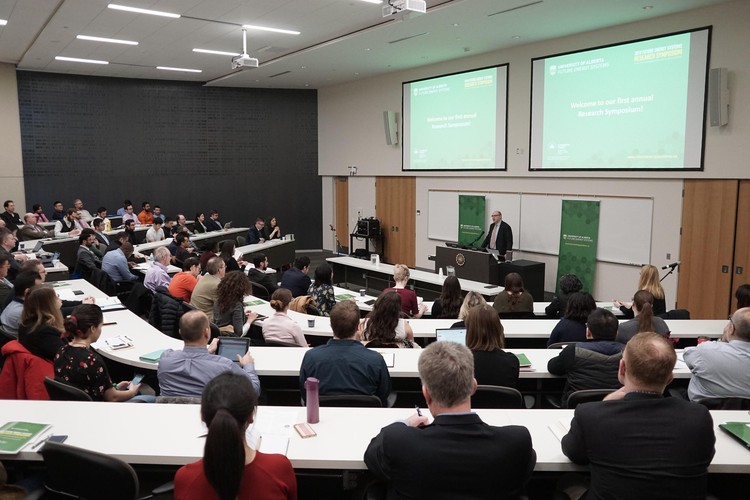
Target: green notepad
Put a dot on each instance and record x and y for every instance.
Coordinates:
(254, 302)
(523, 360)
(740, 431)
(151, 357)
(344, 296)
(16, 435)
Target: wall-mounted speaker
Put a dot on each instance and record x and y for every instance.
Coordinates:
(718, 97)
(391, 129)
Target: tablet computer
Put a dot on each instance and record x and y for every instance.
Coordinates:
(457, 335)
(230, 347)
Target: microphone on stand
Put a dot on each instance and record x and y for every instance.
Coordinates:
(477, 238)
(671, 266)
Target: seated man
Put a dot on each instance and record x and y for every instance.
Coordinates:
(115, 263)
(457, 455)
(87, 261)
(8, 242)
(128, 214)
(205, 291)
(145, 216)
(296, 279)
(11, 218)
(213, 223)
(720, 369)
(130, 232)
(184, 249)
(155, 232)
(186, 372)
(68, 225)
(6, 287)
(102, 239)
(12, 313)
(255, 233)
(124, 208)
(157, 274)
(31, 230)
(344, 365)
(258, 273)
(592, 364)
(183, 284)
(157, 214)
(78, 205)
(58, 212)
(638, 443)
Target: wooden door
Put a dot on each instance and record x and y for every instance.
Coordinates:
(396, 208)
(741, 266)
(341, 215)
(709, 213)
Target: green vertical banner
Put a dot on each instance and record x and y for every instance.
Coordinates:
(579, 230)
(471, 218)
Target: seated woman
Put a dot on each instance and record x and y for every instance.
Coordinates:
(209, 250)
(472, 299)
(40, 329)
(485, 338)
(649, 281)
(227, 255)
(572, 327)
(230, 468)
(449, 303)
(408, 297)
(383, 326)
(569, 284)
(280, 327)
(272, 230)
(198, 225)
(321, 290)
(78, 365)
(644, 320)
(229, 312)
(514, 299)
(742, 294)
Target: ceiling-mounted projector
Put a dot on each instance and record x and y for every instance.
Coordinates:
(244, 61)
(410, 6)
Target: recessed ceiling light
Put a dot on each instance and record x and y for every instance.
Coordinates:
(106, 40)
(143, 11)
(217, 52)
(373, 1)
(76, 59)
(3, 22)
(516, 37)
(367, 49)
(187, 70)
(456, 25)
(648, 7)
(266, 28)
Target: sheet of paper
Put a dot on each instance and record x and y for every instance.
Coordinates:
(560, 428)
(272, 429)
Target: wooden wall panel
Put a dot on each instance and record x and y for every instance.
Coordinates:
(341, 202)
(741, 269)
(396, 207)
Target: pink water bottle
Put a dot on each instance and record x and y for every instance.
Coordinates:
(313, 404)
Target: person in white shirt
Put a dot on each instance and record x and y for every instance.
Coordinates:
(155, 232)
(78, 204)
(69, 225)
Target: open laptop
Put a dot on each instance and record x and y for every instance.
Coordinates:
(228, 225)
(457, 335)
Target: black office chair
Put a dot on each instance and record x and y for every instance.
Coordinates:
(260, 291)
(351, 400)
(587, 395)
(241, 241)
(497, 396)
(675, 314)
(726, 403)
(518, 315)
(278, 343)
(60, 391)
(81, 473)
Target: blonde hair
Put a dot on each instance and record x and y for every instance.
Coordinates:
(649, 281)
(400, 272)
(40, 308)
(472, 299)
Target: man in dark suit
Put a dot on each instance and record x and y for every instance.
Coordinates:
(458, 455)
(258, 274)
(500, 235)
(87, 261)
(638, 443)
(255, 234)
(296, 279)
(31, 230)
(213, 223)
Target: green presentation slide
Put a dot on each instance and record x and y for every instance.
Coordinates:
(452, 121)
(618, 107)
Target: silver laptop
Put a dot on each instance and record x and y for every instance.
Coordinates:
(457, 335)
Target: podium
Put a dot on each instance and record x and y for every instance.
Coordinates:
(472, 265)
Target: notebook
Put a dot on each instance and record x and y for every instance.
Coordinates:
(151, 357)
(740, 431)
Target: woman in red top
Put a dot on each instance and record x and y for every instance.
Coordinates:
(408, 297)
(230, 469)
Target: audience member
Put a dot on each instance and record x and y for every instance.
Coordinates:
(210, 249)
(155, 232)
(229, 313)
(572, 326)
(343, 365)
(102, 239)
(198, 226)
(514, 299)
(158, 215)
(183, 284)
(86, 260)
(11, 218)
(644, 320)
(8, 242)
(384, 327)
(168, 227)
(145, 216)
(227, 255)
(258, 273)
(230, 468)
(408, 298)
(204, 293)
(452, 457)
(58, 212)
(68, 225)
(472, 299)
(11, 315)
(273, 231)
(130, 232)
(569, 284)
(280, 328)
(184, 250)
(637, 443)
(213, 223)
(742, 294)
(321, 290)
(128, 214)
(255, 233)
(592, 364)
(448, 305)
(41, 324)
(115, 263)
(124, 208)
(649, 281)
(157, 274)
(39, 212)
(720, 369)
(37, 267)
(6, 287)
(78, 205)
(296, 279)
(485, 337)
(181, 225)
(185, 372)
(31, 230)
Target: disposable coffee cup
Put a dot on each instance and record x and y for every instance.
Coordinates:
(311, 323)
(362, 292)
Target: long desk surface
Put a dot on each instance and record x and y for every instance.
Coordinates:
(171, 434)
(225, 234)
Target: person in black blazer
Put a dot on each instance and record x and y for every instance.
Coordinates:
(639, 444)
(213, 223)
(296, 279)
(457, 455)
(256, 234)
(258, 274)
(504, 238)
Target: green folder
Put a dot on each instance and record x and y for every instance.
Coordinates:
(344, 296)
(151, 357)
(523, 360)
(740, 431)
(16, 435)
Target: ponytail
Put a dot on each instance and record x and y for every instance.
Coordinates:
(644, 302)
(224, 455)
(83, 318)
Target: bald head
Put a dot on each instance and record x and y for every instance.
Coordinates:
(649, 360)
(30, 218)
(194, 327)
(741, 322)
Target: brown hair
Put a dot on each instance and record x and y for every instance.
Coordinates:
(83, 318)
(344, 319)
(649, 359)
(232, 289)
(40, 308)
(447, 370)
(514, 287)
(644, 302)
(281, 299)
(382, 321)
(484, 331)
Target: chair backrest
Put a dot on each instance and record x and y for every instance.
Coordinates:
(279, 343)
(241, 241)
(586, 396)
(84, 473)
(560, 345)
(726, 403)
(60, 391)
(260, 291)
(497, 396)
(518, 315)
(103, 282)
(166, 311)
(353, 400)
(676, 314)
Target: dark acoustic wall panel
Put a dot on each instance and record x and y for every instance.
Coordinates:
(186, 147)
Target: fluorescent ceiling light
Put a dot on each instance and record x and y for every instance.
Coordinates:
(76, 59)
(373, 1)
(275, 30)
(107, 40)
(167, 68)
(3, 22)
(143, 11)
(218, 52)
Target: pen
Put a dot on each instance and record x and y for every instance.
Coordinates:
(109, 323)
(41, 442)
(419, 413)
